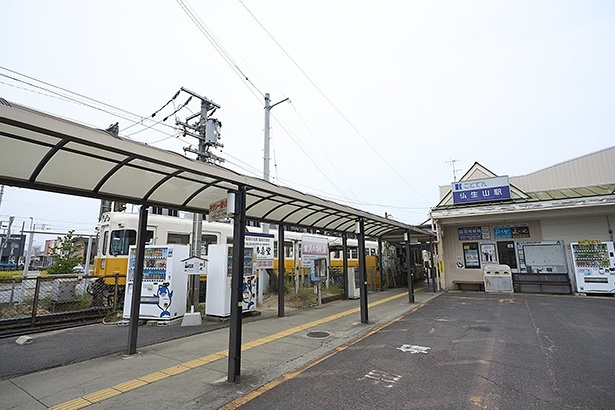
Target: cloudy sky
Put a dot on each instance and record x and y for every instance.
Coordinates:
(384, 96)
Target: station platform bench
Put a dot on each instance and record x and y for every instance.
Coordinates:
(474, 284)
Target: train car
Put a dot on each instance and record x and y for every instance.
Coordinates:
(117, 231)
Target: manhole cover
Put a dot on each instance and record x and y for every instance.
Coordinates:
(318, 335)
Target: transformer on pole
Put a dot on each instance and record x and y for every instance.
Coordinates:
(207, 132)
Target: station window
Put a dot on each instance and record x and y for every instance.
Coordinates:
(506, 254)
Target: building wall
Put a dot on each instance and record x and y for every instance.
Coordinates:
(453, 252)
(568, 228)
(592, 169)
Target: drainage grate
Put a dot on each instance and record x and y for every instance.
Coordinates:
(318, 335)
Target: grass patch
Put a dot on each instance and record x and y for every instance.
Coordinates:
(9, 274)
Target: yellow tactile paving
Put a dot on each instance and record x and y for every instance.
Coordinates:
(193, 364)
(154, 377)
(174, 370)
(101, 395)
(129, 385)
(74, 404)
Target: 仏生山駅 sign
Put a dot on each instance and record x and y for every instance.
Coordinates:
(481, 190)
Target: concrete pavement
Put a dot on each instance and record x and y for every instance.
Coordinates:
(191, 372)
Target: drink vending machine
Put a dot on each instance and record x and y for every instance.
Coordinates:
(594, 266)
(165, 282)
(219, 275)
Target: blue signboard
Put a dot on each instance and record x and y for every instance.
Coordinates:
(481, 190)
(470, 233)
(502, 232)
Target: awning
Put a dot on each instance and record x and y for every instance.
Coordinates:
(43, 152)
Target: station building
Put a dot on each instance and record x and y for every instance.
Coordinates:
(553, 228)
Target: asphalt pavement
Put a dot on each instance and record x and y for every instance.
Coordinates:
(468, 351)
(456, 350)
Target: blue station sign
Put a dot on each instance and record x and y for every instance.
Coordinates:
(481, 190)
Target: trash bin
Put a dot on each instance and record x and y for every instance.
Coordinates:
(497, 278)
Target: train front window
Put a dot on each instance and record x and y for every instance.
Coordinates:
(122, 239)
(105, 242)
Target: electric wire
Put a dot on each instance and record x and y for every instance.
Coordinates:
(323, 194)
(333, 105)
(119, 112)
(307, 153)
(176, 110)
(219, 48)
(168, 102)
(229, 60)
(324, 151)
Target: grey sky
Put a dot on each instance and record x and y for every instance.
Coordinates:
(514, 85)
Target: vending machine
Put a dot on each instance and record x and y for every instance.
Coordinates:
(594, 266)
(354, 283)
(164, 285)
(219, 275)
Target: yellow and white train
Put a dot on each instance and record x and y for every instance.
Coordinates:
(117, 231)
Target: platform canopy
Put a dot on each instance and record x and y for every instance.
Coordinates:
(43, 152)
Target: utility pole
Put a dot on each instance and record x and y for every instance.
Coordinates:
(266, 160)
(5, 240)
(207, 132)
(266, 157)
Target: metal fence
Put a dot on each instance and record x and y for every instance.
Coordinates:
(56, 299)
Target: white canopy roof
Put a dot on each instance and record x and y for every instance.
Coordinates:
(44, 152)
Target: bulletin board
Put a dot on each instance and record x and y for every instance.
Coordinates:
(542, 257)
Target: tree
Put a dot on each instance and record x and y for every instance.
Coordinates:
(68, 254)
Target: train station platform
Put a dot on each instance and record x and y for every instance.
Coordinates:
(191, 371)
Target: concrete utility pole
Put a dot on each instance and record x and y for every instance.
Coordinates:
(208, 133)
(266, 157)
(266, 177)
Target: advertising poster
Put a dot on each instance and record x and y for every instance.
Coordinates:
(313, 247)
(470, 255)
(262, 244)
(487, 253)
